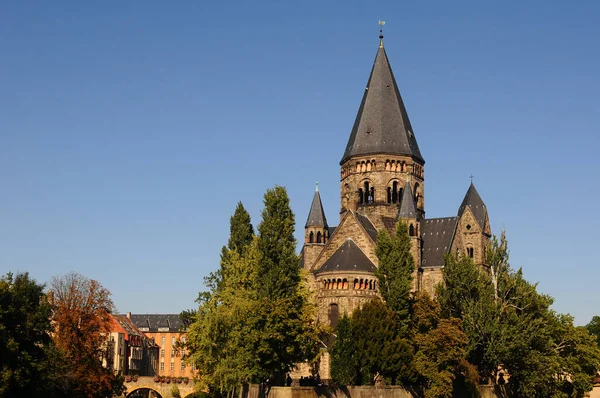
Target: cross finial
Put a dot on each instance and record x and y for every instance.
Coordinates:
(471, 177)
(317, 188)
(381, 23)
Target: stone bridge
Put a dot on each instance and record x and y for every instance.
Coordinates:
(157, 390)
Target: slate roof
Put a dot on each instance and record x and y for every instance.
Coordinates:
(348, 257)
(157, 322)
(407, 204)
(382, 124)
(437, 235)
(367, 225)
(127, 325)
(316, 215)
(332, 230)
(474, 201)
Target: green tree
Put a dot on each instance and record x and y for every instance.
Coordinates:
(594, 328)
(382, 352)
(440, 356)
(285, 331)
(343, 356)
(27, 355)
(240, 230)
(257, 319)
(220, 339)
(396, 267)
(512, 329)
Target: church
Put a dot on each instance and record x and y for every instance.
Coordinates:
(382, 181)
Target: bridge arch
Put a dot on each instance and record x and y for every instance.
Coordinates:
(157, 389)
(143, 392)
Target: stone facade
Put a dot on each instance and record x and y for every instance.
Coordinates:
(382, 181)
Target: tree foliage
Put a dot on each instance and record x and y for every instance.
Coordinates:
(81, 318)
(511, 328)
(396, 268)
(593, 328)
(257, 319)
(440, 349)
(26, 351)
(343, 355)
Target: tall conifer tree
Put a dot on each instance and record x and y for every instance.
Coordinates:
(396, 267)
(285, 330)
(240, 229)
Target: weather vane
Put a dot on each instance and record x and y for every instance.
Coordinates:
(381, 23)
(471, 177)
(317, 188)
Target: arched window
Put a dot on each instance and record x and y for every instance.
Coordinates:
(470, 252)
(372, 195)
(333, 315)
(356, 283)
(311, 237)
(319, 236)
(361, 198)
(345, 284)
(389, 195)
(416, 193)
(395, 192)
(367, 192)
(411, 230)
(339, 284)
(400, 193)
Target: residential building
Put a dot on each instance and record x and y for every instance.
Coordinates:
(165, 330)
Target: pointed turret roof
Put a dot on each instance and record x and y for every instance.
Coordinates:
(474, 201)
(382, 124)
(316, 215)
(407, 205)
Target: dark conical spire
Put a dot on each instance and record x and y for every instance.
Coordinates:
(316, 215)
(382, 124)
(407, 205)
(474, 201)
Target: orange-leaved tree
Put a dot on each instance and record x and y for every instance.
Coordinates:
(81, 320)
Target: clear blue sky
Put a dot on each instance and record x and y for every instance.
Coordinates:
(129, 130)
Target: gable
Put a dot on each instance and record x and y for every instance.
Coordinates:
(349, 228)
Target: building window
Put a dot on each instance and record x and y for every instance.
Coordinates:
(162, 366)
(470, 252)
(192, 367)
(172, 353)
(173, 341)
(411, 230)
(311, 237)
(319, 237)
(162, 340)
(172, 366)
(182, 367)
(162, 353)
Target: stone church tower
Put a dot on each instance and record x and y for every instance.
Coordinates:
(382, 181)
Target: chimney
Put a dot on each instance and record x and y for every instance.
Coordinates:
(128, 315)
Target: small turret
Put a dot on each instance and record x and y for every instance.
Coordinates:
(409, 214)
(316, 231)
